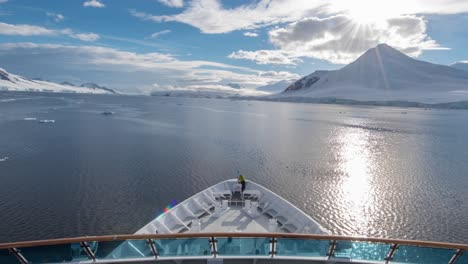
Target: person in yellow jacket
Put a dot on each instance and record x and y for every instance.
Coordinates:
(241, 180)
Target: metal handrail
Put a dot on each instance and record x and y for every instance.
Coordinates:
(233, 235)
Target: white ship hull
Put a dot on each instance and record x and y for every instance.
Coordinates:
(223, 208)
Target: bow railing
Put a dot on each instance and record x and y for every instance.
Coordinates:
(151, 247)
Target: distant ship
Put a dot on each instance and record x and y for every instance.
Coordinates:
(221, 224)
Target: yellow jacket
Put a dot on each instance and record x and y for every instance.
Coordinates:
(241, 178)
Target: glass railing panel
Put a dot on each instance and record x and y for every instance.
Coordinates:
(122, 249)
(463, 259)
(355, 250)
(302, 247)
(54, 253)
(184, 247)
(243, 246)
(423, 255)
(7, 257)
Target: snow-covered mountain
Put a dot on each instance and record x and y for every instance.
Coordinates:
(461, 65)
(275, 87)
(95, 86)
(384, 74)
(13, 82)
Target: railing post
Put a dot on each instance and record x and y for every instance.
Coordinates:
(88, 250)
(214, 247)
(273, 247)
(152, 247)
(389, 257)
(456, 256)
(17, 254)
(331, 249)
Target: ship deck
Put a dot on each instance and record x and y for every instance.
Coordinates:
(223, 207)
(235, 220)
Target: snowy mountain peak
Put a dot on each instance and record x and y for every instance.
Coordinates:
(4, 75)
(384, 73)
(381, 54)
(13, 82)
(67, 83)
(96, 86)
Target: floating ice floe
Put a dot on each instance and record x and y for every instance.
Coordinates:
(47, 121)
(108, 113)
(4, 159)
(30, 118)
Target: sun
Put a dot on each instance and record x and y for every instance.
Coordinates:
(368, 11)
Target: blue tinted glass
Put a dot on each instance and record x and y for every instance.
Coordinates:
(183, 247)
(302, 247)
(243, 246)
(54, 253)
(463, 259)
(362, 250)
(423, 255)
(123, 249)
(7, 257)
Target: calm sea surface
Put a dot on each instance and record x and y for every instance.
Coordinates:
(370, 171)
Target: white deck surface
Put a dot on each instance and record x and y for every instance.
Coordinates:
(235, 220)
(222, 208)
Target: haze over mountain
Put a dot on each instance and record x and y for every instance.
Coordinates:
(13, 82)
(384, 74)
(276, 87)
(461, 65)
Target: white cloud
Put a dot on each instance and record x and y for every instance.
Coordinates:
(3, 1)
(207, 89)
(265, 57)
(211, 17)
(172, 3)
(157, 34)
(251, 34)
(29, 30)
(339, 39)
(24, 30)
(282, 75)
(124, 70)
(85, 36)
(93, 3)
(55, 17)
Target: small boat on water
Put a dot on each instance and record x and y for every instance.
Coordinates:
(221, 224)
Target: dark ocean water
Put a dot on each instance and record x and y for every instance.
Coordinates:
(370, 171)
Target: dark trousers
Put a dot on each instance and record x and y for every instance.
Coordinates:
(243, 185)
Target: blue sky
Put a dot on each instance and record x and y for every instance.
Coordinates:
(145, 45)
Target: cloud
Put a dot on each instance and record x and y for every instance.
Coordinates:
(157, 34)
(55, 17)
(93, 3)
(30, 30)
(211, 17)
(124, 70)
(24, 30)
(265, 57)
(210, 89)
(3, 1)
(85, 36)
(172, 3)
(340, 39)
(283, 75)
(250, 34)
